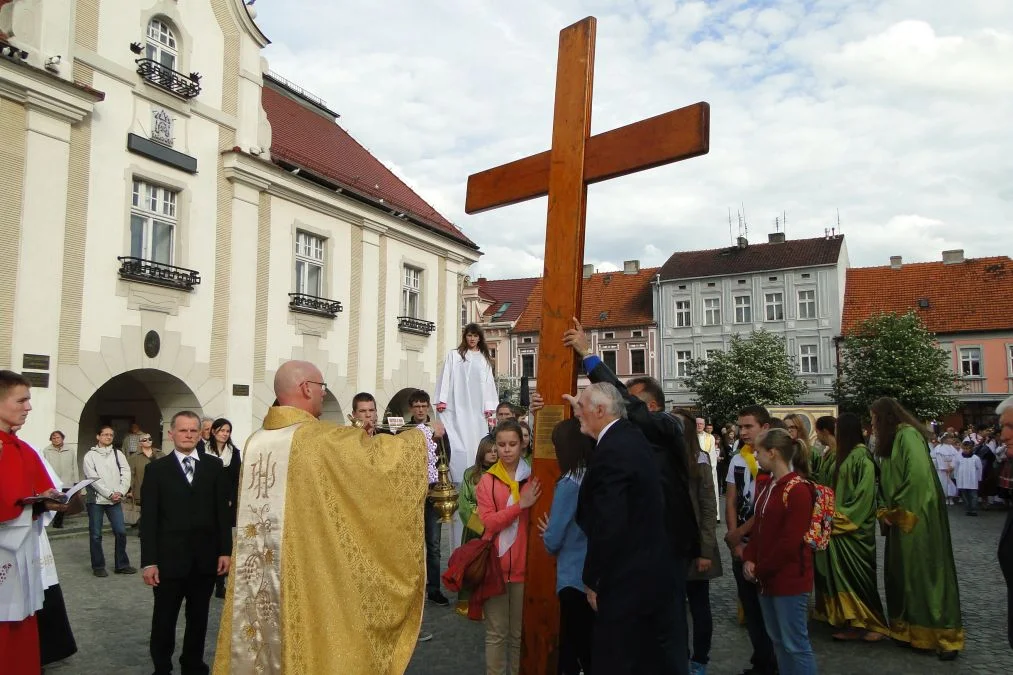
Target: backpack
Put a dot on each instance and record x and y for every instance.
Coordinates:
(822, 520)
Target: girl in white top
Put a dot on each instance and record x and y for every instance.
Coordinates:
(946, 461)
(968, 475)
(466, 399)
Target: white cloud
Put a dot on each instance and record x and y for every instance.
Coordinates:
(894, 112)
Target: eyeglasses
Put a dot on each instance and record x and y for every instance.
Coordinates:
(323, 385)
(146, 439)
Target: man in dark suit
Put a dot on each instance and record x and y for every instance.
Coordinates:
(1005, 412)
(186, 541)
(645, 407)
(626, 571)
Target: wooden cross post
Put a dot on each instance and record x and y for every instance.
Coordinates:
(563, 173)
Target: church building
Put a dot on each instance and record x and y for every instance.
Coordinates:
(178, 221)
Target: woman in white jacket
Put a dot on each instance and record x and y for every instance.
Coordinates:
(108, 466)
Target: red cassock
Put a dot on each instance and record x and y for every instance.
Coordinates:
(21, 474)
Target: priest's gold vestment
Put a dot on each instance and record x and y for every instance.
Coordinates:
(328, 567)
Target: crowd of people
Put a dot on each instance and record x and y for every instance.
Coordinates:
(633, 524)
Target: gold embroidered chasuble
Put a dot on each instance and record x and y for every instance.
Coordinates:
(329, 561)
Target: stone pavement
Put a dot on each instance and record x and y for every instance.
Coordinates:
(111, 619)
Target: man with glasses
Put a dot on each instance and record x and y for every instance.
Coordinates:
(343, 510)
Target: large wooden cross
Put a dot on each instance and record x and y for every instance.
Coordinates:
(563, 173)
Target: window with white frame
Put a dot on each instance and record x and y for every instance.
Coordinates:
(638, 362)
(682, 315)
(492, 357)
(743, 309)
(773, 305)
(309, 264)
(527, 365)
(807, 304)
(809, 358)
(152, 222)
(711, 311)
(161, 45)
(411, 292)
(970, 361)
(682, 360)
(637, 333)
(608, 357)
(1009, 359)
(609, 335)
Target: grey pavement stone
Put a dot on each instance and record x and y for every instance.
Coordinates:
(111, 618)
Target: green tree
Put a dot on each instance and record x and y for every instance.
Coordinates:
(895, 355)
(755, 370)
(509, 389)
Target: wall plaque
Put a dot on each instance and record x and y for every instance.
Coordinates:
(161, 126)
(240, 390)
(37, 379)
(152, 344)
(35, 361)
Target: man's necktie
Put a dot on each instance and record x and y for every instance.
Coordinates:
(188, 468)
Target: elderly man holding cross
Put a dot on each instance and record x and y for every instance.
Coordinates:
(575, 160)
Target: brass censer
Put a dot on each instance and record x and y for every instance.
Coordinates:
(442, 493)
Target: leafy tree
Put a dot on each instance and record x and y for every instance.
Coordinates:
(895, 355)
(509, 388)
(755, 370)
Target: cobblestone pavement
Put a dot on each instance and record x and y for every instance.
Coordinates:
(111, 619)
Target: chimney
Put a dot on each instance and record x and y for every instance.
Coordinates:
(895, 262)
(775, 238)
(481, 280)
(953, 257)
(588, 270)
(742, 242)
(631, 267)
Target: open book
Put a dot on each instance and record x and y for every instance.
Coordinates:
(63, 498)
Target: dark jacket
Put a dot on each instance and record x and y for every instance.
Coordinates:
(1006, 564)
(186, 526)
(664, 433)
(620, 510)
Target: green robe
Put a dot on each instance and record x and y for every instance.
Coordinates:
(822, 473)
(922, 597)
(850, 598)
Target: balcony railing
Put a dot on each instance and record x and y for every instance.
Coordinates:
(158, 274)
(970, 385)
(184, 86)
(311, 304)
(409, 324)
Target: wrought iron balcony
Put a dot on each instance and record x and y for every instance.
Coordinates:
(311, 304)
(409, 324)
(158, 274)
(184, 86)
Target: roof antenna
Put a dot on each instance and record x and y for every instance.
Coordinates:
(840, 230)
(784, 222)
(731, 239)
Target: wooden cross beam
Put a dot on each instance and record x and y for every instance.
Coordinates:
(563, 173)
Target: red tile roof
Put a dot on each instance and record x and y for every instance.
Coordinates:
(610, 300)
(509, 296)
(974, 295)
(309, 139)
(753, 258)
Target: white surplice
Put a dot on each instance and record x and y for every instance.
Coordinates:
(46, 560)
(708, 445)
(21, 586)
(468, 389)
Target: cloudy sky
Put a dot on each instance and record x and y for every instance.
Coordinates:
(894, 113)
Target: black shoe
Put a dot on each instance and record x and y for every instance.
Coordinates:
(948, 656)
(438, 598)
(220, 592)
(100, 572)
(126, 570)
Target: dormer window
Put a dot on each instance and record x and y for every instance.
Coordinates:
(161, 45)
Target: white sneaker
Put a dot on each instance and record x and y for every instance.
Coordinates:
(424, 636)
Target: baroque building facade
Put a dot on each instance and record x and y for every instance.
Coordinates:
(178, 221)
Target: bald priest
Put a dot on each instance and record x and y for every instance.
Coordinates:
(329, 561)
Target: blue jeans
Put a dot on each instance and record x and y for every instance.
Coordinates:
(787, 620)
(432, 521)
(95, 515)
(970, 498)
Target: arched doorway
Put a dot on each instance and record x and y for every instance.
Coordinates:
(398, 405)
(331, 411)
(146, 396)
